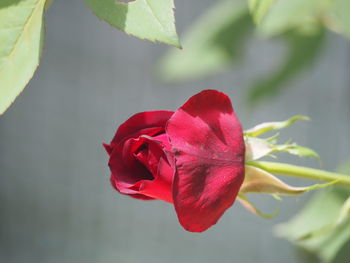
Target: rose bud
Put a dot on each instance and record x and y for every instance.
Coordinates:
(192, 158)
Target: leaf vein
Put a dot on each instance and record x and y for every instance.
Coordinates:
(154, 15)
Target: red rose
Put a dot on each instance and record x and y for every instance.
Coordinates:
(193, 158)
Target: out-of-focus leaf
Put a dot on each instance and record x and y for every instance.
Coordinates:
(342, 10)
(146, 19)
(285, 15)
(216, 40)
(21, 39)
(273, 126)
(323, 225)
(258, 8)
(276, 18)
(302, 50)
(344, 212)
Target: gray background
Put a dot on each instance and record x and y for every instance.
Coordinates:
(56, 203)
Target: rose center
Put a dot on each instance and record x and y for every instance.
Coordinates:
(142, 154)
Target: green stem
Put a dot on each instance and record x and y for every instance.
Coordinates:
(300, 171)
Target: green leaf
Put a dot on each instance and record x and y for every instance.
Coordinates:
(259, 8)
(273, 126)
(302, 51)
(217, 40)
(146, 19)
(21, 38)
(323, 225)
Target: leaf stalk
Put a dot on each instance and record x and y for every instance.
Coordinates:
(300, 171)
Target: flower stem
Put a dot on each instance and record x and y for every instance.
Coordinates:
(300, 171)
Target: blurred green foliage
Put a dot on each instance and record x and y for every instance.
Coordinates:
(220, 37)
(258, 8)
(217, 40)
(322, 227)
(301, 51)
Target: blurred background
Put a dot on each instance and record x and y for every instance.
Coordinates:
(56, 202)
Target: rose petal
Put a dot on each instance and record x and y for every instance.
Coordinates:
(141, 121)
(134, 195)
(207, 142)
(108, 148)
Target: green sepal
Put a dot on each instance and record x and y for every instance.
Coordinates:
(295, 149)
(273, 126)
(257, 180)
(257, 148)
(247, 204)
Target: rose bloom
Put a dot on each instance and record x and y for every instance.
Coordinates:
(192, 158)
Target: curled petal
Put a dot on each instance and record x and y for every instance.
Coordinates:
(160, 187)
(156, 161)
(132, 194)
(208, 146)
(108, 148)
(140, 122)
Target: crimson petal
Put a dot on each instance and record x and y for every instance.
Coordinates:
(207, 142)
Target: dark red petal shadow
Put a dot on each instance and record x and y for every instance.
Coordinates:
(207, 142)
